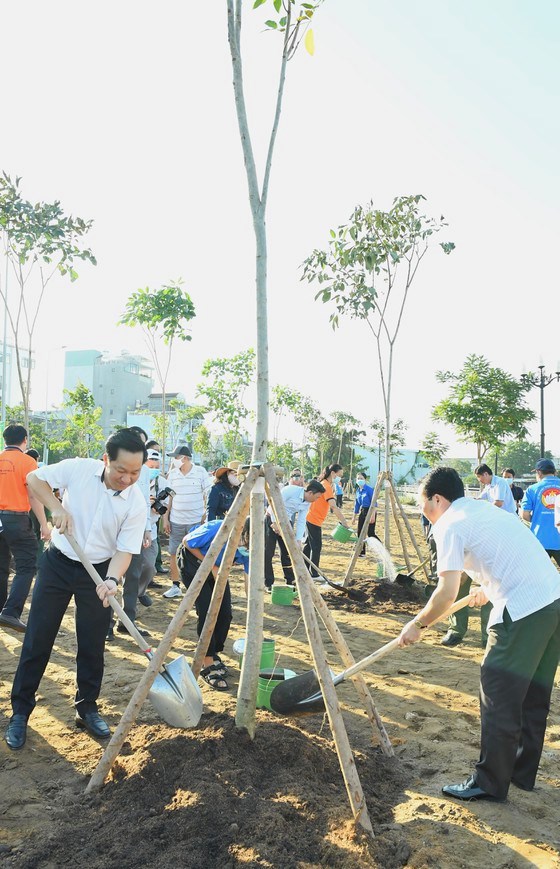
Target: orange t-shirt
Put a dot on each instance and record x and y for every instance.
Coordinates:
(319, 509)
(14, 468)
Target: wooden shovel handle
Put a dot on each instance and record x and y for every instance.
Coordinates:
(129, 625)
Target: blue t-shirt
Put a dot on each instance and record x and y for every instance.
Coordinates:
(363, 498)
(202, 536)
(539, 499)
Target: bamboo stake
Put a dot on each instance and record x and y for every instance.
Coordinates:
(340, 736)
(218, 593)
(363, 533)
(400, 530)
(409, 527)
(143, 688)
(348, 660)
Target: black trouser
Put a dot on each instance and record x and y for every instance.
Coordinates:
(159, 564)
(555, 554)
(189, 567)
(516, 681)
(313, 546)
(270, 541)
(58, 580)
(371, 527)
(17, 538)
(339, 500)
(459, 621)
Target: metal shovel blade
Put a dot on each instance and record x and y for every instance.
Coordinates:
(176, 696)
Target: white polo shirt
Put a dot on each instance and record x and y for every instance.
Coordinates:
(501, 553)
(189, 502)
(105, 521)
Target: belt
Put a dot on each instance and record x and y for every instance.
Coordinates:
(16, 512)
(56, 551)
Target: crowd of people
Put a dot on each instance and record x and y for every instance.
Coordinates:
(115, 506)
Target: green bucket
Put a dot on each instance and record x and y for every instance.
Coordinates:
(283, 594)
(342, 534)
(268, 680)
(268, 652)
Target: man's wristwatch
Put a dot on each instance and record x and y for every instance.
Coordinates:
(114, 579)
(420, 625)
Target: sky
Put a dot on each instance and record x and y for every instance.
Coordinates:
(124, 112)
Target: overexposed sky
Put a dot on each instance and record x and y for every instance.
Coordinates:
(124, 111)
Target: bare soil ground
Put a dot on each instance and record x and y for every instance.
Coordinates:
(211, 797)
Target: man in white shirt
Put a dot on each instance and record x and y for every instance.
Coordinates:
(496, 489)
(518, 669)
(297, 501)
(191, 484)
(107, 514)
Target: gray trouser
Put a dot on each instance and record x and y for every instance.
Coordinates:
(148, 571)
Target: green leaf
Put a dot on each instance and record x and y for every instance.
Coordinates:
(272, 24)
(278, 5)
(258, 3)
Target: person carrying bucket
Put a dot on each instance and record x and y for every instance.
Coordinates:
(361, 507)
(318, 512)
(190, 554)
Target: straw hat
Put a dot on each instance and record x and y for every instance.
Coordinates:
(231, 466)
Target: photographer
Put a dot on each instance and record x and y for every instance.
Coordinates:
(159, 497)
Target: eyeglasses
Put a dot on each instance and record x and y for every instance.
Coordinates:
(296, 476)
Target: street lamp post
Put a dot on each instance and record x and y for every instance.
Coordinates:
(541, 380)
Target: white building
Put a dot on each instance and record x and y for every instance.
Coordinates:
(13, 392)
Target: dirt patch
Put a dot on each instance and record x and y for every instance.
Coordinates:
(211, 797)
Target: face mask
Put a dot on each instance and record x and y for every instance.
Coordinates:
(509, 481)
(233, 479)
(337, 479)
(177, 463)
(154, 472)
(360, 483)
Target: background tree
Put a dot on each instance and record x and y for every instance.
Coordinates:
(485, 405)
(82, 435)
(35, 427)
(39, 241)
(433, 449)
(366, 273)
(520, 455)
(396, 439)
(462, 466)
(292, 24)
(223, 392)
(181, 420)
(162, 315)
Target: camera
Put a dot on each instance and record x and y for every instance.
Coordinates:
(162, 495)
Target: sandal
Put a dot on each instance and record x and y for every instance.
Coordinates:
(219, 666)
(213, 678)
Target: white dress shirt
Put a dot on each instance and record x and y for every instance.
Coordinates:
(500, 553)
(498, 489)
(105, 521)
(295, 503)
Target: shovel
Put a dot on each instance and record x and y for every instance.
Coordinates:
(175, 694)
(302, 695)
(354, 594)
(406, 578)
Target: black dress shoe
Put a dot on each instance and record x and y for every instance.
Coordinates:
(468, 790)
(94, 724)
(13, 623)
(124, 630)
(452, 638)
(154, 584)
(16, 732)
(145, 599)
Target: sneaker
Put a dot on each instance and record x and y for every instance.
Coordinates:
(174, 591)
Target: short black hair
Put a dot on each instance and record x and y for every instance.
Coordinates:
(33, 453)
(483, 469)
(139, 431)
(315, 487)
(125, 439)
(508, 471)
(445, 482)
(151, 444)
(14, 434)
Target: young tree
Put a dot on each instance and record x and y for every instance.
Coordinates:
(180, 420)
(485, 405)
(162, 315)
(35, 427)
(39, 241)
(292, 25)
(366, 273)
(83, 436)
(224, 390)
(433, 449)
(462, 466)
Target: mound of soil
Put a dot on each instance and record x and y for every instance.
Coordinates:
(213, 797)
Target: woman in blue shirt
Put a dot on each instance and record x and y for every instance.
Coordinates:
(224, 490)
(361, 506)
